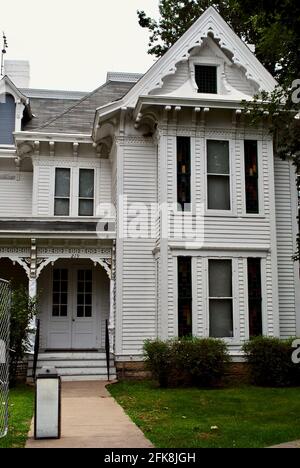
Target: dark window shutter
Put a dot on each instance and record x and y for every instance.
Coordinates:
(7, 120)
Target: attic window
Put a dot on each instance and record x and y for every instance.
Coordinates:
(206, 79)
(7, 120)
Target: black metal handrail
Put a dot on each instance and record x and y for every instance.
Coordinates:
(36, 348)
(107, 350)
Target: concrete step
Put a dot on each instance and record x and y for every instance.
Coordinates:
(72, 355)
(71, 363)
(73, 366)
(86, 378)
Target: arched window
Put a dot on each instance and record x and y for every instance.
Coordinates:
(7, 120)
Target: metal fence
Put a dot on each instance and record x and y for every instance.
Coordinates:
(5, 298)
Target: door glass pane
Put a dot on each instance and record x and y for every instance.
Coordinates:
(221, 318)
(218, 157)
(220, 278)
(62, 207)
(60, 293)
(86, 207)
(62, 183)
(84, 293)
(219, 193)
(86, 183)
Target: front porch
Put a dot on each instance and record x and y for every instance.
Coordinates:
(75, 293)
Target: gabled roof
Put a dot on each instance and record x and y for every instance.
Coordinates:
(7, 86)
(210, 23)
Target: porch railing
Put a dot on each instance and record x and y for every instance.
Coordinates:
(36, 348)
(107, 350)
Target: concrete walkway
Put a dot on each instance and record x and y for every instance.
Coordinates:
(91, 418)
(289, 445)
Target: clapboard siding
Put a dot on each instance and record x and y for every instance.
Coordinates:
(105, 176)
(285, 247)
(43, 190)
(139, 266)
(15, 194)
(172, 82)
(236, 78)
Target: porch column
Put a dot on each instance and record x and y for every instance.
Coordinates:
(32, 293)
(111, 324)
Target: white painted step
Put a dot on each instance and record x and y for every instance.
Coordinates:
(71, 363)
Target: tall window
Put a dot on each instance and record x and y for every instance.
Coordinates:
(60, 293)
(84, 293)
(218, 175)
(254, 297)
(86, 192)
(184, 172)
(7, 120)
(62, 192)
(251, 174)
(206, 79)
(220, 299)
(184, 296)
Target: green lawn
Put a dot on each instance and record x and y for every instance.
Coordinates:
(20, 410)
(183, 418)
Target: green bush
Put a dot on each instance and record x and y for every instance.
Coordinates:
(189, 361)
(22, 311)
(270, 361)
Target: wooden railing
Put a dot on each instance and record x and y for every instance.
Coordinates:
(107, 350)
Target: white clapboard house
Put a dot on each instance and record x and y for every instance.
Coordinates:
(92, 189)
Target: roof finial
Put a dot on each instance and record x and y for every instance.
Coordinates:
(3, 51)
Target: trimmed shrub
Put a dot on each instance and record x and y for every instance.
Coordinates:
(189, 361)
(270, 361)
(157, 358)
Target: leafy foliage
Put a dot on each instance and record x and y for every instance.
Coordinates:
(270, 361)
(22, 312)
(189, 361)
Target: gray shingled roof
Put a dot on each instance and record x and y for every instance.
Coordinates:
(76, 116)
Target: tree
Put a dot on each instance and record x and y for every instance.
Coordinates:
(272, 25)
(23, 309)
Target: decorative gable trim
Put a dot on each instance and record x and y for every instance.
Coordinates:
(210, 23)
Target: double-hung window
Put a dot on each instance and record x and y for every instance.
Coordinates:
(251, 176)
(86, 192)
(184, 172)
(220, 299)
(185, 301)
(218, 175)
(84, 179)
(62, 192)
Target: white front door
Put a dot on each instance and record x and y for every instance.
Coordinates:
(73, 319)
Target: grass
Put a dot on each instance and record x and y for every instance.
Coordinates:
(244, 417)
(21, 410)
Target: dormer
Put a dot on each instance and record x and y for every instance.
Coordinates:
(14, 109)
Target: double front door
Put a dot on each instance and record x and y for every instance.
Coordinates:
(72, 321)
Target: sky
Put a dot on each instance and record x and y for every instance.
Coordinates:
(72, 44)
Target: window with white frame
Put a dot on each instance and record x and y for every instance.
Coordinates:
(251, 176)
(86, 192)
(62, 192)
(218, 175)
(220, 299)
(7, 119)
(206, 78)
